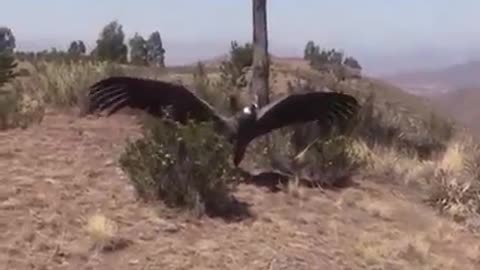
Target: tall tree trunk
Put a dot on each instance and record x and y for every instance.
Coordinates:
(259, 87)
(261, 67)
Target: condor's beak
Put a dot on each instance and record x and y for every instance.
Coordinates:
(239, 152)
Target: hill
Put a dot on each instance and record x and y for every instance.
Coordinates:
(66, 203)
(462, 105)
(432, 82)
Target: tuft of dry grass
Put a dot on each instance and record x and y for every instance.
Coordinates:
(104, 234)
(455, 186)
(453, 160)
(100, 228)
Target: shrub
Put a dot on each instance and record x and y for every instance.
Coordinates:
(185, 166)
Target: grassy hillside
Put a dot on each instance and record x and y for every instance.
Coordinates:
(400, 190)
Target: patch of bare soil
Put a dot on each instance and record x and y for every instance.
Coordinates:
(65, 204)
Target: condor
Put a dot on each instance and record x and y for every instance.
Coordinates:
(153, 96)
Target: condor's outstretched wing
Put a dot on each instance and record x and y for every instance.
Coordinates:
(321, 107)
(152, 96)
(305, 107)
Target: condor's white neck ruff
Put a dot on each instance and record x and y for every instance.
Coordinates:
(247, 110)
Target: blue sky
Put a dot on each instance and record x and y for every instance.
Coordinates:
(204, 28)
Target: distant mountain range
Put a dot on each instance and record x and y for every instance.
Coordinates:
(432, 82)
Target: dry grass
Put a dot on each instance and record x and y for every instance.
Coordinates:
(100, 228)
(388, 244)
(45, 192)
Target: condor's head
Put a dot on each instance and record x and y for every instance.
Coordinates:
(250, 111)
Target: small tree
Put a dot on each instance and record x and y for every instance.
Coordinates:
(335, 57)
(7, 40)
(331, 60)
(7, 59)
(110, 44)
(352, 63)
(311, 51)
(7, 67)
(73, 48)
(138, 50)
(82, 49)
(155, 50)
(233, 70)
(241, 56)
(76, 49)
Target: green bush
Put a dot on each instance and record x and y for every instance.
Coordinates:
(185, 166)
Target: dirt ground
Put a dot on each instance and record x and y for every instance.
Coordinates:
(65, 204)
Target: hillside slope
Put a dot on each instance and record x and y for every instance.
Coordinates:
(441, 80)
(462, 105)
(66, 204)
(55, 177)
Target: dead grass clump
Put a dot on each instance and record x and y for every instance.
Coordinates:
(104, 234)
(455, 182)
(100, 228)
(20, 105)
(185, 166)
(450, 182)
